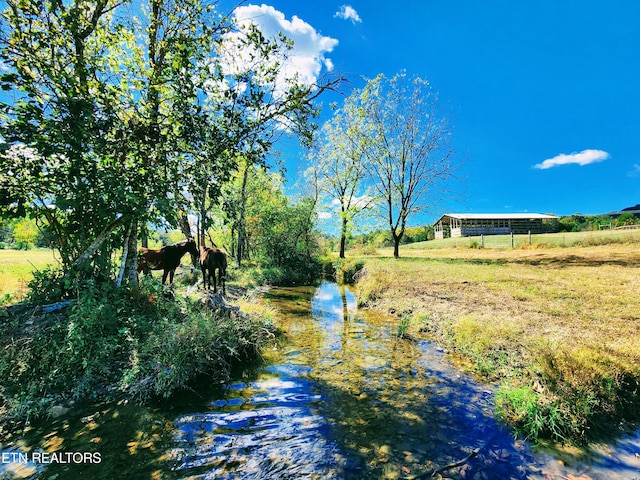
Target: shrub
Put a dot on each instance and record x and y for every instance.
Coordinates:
(48, 286)
(523, 408)
(114, 341)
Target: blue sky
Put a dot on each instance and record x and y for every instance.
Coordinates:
(545, 95)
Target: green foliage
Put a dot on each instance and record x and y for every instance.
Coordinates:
(523, 408)
(175, 353)
(25, 233)
(277, 232)
(48, 286)
(580, 223)
(114, 341)
(403, 326)
(109, 119)
(338, 165)
(626, 219)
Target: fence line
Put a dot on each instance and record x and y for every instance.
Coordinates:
(561, 239)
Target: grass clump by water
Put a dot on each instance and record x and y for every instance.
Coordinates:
(119, 342)
(556, 328)
(347, 269)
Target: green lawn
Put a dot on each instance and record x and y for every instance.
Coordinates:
(16, 267)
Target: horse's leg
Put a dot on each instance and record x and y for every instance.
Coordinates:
(164, 276)
(224, 281)
(204, 275)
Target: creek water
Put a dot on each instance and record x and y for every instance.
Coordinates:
(340, 397)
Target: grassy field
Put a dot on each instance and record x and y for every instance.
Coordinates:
(558, 328)
(563, 239)
(16, 267)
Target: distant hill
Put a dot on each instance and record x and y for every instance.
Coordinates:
(634, 208)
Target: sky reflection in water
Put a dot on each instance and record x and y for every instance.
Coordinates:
(345, 398)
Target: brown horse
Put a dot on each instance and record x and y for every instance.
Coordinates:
(167, 258)
(210, 259)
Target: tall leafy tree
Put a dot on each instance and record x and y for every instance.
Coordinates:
(57, 121)
(260, 104)
(115, 119)
(410, 155)
(339, 164)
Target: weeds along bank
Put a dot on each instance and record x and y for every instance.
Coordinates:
(118, 343)
(557, 328)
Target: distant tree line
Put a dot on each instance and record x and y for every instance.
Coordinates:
(580, 223)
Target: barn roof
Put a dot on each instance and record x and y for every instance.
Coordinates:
(497, 216)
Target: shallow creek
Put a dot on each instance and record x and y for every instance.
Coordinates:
(341, 397)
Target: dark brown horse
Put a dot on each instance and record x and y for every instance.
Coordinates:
(167, 258)
(210, 259)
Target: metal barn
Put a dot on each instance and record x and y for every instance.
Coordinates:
(476, 224)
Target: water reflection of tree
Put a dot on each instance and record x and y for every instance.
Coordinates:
(388, 411)
(345, 318)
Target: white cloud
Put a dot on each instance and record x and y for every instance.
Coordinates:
(635, 171)
(347, 12)
(583, 158)
(308, 56)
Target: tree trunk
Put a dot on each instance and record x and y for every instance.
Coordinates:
(396, 247)
(343, 236)
(125, 253)
(243, 202)
(185, 228)
(396, 240)
(84, 257)
(131, 267)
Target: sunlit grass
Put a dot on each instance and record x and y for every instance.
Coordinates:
(16, 269)
(560, 324)
(561, 239)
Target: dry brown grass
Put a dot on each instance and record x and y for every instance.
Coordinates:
(562, 322)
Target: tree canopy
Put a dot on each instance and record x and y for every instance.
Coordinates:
(117, 113)
(392, 137)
